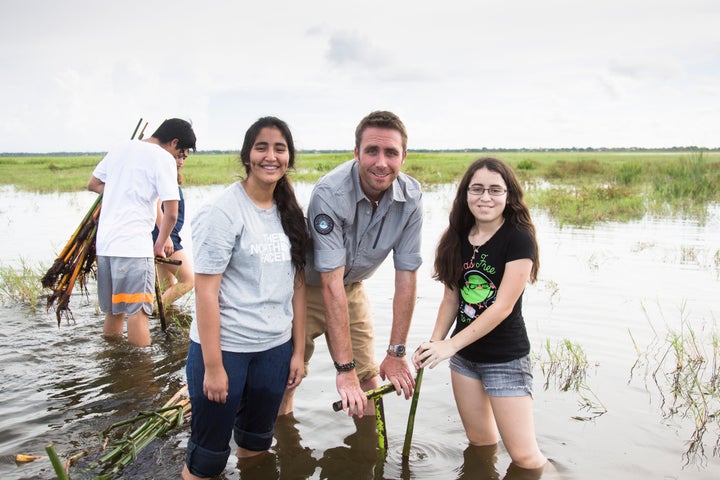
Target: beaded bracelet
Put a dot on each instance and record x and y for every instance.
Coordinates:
(345, 367)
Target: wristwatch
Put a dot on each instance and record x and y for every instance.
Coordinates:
(396, 350)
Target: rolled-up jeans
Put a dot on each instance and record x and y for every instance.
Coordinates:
(256, 383)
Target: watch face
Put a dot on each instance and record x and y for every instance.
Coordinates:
(400, 349)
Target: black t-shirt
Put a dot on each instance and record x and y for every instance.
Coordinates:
(483, 269)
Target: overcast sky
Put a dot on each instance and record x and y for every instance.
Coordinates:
(78, 74)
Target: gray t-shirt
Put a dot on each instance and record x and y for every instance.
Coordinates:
(247, 245)
(346, 233)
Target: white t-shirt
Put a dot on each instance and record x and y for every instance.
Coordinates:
(247, 245)
(136, 174)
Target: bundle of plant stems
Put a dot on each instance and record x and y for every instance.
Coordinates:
(77, 259)
(75, 262)
(125, 450)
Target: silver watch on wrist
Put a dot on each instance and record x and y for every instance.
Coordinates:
(396, 350)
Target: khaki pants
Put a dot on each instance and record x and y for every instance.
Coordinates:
(361, 328)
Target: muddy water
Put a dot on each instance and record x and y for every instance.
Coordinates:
(616, 290)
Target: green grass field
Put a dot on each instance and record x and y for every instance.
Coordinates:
(574, 187)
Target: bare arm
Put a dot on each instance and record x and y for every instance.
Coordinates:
(207, 292)
(299, 303)
(397, 369)
(95, 184)
(447, 311)
(511, 287)
(169, 247)
(166, 225)
(338, 331)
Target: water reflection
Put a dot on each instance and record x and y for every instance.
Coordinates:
(615, 289)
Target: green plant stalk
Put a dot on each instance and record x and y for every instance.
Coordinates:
(56, 463)
(156, 424)
(369, 394)
(381, 426)
(411, 416)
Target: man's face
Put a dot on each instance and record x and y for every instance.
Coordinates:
(379, 158)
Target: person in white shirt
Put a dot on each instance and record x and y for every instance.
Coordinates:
(131, 178)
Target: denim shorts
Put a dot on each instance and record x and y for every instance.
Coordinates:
(508, 379)
(257, 383)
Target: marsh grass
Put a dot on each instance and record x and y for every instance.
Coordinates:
(21, 285)
(587, 204)
(48, 173)
(576, 188)
(684, 367)
(565, 365)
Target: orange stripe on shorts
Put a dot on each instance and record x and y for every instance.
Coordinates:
(133, 298)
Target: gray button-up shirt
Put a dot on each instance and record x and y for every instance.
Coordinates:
(345, 231)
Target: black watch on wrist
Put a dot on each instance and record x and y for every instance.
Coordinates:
(396, 350)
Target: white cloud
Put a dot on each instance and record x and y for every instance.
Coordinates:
(77, 74)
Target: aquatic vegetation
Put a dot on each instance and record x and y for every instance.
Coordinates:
(583, 187)
(566, 366)
(685, 368)
(587, 204)
(128, 444)
(21, 286)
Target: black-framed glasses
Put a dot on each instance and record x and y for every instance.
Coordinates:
(493, 191)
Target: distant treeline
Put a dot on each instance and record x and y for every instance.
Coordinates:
(419, 150)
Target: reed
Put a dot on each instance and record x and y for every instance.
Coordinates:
(684, 367)
(127, 445)
(21, 286)
(566, 367)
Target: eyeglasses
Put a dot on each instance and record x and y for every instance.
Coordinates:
(181, 156)
(493, 191)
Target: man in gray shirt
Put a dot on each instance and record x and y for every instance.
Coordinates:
(357, 214)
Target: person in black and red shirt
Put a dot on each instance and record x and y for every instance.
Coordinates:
(484, 259)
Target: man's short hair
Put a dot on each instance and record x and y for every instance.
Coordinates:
(381, 119)
(173, 128)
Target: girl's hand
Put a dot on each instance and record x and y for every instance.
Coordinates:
(297, 371)
(432, 353)
(215, 385)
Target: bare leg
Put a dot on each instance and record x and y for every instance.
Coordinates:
(286, 406)
(514, 417)
(139, 329)
(186, 475)
(475, 410)
(244, 453)
(113, 326)
(176, 281)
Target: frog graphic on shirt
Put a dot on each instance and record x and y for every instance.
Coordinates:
(477, 293)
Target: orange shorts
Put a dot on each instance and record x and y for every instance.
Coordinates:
(361, 328)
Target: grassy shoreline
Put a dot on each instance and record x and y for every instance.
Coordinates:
(575, 187)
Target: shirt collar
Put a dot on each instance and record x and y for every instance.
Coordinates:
(396, 193)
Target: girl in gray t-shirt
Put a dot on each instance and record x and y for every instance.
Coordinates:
(248, 331)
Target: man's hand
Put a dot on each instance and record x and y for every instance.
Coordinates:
(397, 370)
(352, 396)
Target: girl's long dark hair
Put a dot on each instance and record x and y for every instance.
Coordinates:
(291, 215)
(448, 261)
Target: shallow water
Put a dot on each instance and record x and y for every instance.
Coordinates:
(615, 289)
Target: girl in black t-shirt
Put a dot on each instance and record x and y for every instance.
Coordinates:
(484, 259)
